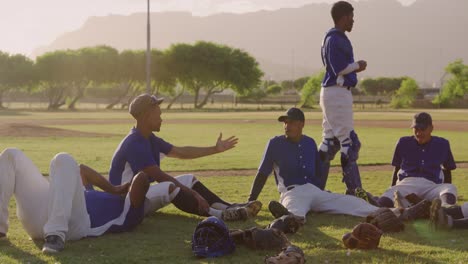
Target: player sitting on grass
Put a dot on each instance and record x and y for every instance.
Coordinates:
(140, 150)
(423, 165)
(294, 159)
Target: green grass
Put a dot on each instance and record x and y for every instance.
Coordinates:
(377, 144)
(164, 236)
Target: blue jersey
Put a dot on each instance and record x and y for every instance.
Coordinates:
(135, 153)
(107, 212)
(424, 161)
(337, 54)
(293, 163)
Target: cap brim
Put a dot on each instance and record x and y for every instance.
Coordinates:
(159, 100)
(282, 118)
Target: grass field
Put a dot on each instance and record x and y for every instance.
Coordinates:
(164, 237)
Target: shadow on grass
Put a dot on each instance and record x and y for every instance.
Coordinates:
(12, 251)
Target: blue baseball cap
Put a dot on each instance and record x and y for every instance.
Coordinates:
(293, 113)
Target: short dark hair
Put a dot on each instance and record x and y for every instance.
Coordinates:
(341, 9)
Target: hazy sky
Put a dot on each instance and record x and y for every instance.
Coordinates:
(27, 24)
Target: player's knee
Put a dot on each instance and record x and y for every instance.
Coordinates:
(10, 152)
(64, 159)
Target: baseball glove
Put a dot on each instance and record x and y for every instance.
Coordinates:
(256, 238)
(385, 220)
(363, 236)
(287, 224)
(289, 255)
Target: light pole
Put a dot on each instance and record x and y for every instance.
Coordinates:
(148, 50)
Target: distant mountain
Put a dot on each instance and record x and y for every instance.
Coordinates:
(417, 40)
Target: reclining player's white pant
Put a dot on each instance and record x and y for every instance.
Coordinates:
(307, 197)
(20, 177)
(68, 216)
(337, 108)
(422, 187)
(43, 208)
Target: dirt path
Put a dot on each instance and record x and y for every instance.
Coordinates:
(37, 128)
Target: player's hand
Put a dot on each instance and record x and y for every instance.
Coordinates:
(223, 145)
(203, 205)
(362, 65)
(121, 189)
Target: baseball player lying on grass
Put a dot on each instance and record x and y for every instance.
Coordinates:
(423, 165)
(140, 150)
(293, 157)
(68, 208)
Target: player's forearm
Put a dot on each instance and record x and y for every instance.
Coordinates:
(395, 175)
(90, 176)
(350, 68)
(257, 186)
(189, 152)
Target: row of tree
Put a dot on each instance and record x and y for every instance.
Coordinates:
(402, 90)
(65, 76)
(202, 69)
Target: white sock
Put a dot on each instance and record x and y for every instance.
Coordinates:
(215, 212)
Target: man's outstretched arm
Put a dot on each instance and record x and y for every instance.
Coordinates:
(189, 152)
(257, 186)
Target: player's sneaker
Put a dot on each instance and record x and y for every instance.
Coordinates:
(252, 207)
(418, 211)
(235, 214)
(53, 244)
(400, 201)
(360, 193)
(277, 209)
(439, 219)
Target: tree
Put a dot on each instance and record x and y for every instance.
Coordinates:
(456, 86)
(299, 83)
(274, 89)
(92, 66)
(380, 86)
(405, 95)
(16, 71)
(56, 73)
(131, 75)
(310, 91)
(206, 68)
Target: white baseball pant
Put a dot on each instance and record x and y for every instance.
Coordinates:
(422, 187)
(337, 108)
(308, 197)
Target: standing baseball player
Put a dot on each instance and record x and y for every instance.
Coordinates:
(61, 209)
(336, 99)
(423, 165)
(140, 150)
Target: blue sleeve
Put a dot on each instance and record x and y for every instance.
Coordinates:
(396, 161)
(336, 54)
(449, 163)
(266, 166)
(139, 156)
(164, 147)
